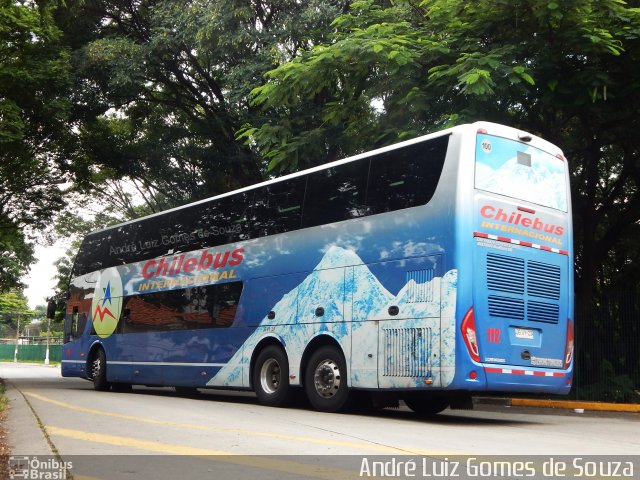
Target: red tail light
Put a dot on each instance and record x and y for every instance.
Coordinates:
(468, 328)
(568, 351)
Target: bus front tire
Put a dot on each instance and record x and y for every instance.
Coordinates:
(325, 380)
(99, 371)
(271, 377)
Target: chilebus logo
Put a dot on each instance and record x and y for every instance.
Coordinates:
(107, 302)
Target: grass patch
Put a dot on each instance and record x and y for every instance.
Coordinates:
(3, 397)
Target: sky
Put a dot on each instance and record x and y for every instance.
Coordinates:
(40, 281)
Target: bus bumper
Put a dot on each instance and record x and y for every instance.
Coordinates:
(529, 380)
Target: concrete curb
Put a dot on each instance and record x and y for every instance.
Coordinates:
(576, 404)
(23, 428)
(559, 404)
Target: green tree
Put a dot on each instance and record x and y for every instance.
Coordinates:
(161, 87)
(13, 308)
(34, 134)
(564, 70)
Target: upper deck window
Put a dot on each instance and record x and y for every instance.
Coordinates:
(396, 179)
(406, 177)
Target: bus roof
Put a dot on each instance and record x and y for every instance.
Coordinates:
(352, 158)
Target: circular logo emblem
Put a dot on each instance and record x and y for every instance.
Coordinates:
(486, 146)
(107, 302)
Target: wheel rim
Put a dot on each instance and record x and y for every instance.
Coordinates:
(326, 378)
(96, 367)
(270, 376)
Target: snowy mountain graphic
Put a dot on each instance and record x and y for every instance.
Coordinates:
(540, 183)
(344, 293)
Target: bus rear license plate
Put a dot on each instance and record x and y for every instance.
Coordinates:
(524, 333)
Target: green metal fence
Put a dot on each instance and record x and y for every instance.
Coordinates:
(607, 339)
(30, 353)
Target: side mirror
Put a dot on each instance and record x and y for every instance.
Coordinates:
(51, 309)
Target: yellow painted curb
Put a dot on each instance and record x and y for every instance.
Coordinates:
(599, 406)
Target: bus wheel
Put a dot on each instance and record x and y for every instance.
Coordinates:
(271, 377)
(325, 380)
(99, 371)
(426, 405)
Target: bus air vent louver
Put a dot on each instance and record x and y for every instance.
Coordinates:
(542, 312)
(543, 280)
(505, 274)
(421, 289)
(407, 352)
(506, 307)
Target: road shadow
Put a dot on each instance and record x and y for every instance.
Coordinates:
(492, 417)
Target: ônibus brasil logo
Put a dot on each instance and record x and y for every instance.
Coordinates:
(107, 302)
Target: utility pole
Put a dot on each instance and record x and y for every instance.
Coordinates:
(46, 355)
(51, 313)
(15, 353)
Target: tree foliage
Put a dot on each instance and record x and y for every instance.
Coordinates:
(13, 308)
(34, 133)
(564, 70)
(162, 87)
(171, 96)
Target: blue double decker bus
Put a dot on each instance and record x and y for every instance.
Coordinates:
(422, 272)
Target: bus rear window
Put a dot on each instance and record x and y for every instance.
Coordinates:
(521, 171)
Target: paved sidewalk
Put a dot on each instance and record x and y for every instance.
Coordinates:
(25, 435)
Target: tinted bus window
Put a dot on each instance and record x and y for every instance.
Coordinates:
(335, 194)
(277, 208)
(397, 179)
(222, 221)
(211, 306)
(406, 177)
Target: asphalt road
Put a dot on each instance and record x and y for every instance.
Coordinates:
(228, 435)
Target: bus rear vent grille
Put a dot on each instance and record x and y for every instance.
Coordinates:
(505, 274)
(528, 289)
(506, 307)
(407, 352)
(543, 280)
(542, 312)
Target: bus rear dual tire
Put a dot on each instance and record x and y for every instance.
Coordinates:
(271, 377)
(325, 379)
(426, 405)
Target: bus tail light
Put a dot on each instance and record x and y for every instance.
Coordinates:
(568, 351)
(468, 328)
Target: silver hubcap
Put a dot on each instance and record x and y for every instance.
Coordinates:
(327, 378)
(270, 376)
(96, 367)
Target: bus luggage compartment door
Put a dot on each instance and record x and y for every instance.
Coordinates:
(396, 323)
